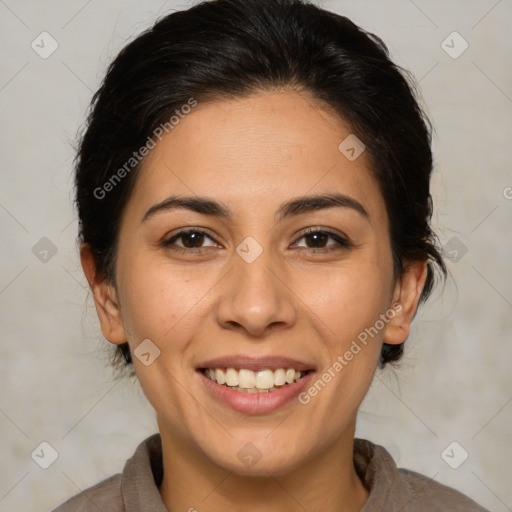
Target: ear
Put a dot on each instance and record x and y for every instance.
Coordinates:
(105, 300)
(406, 295)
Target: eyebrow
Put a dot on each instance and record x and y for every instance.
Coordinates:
(297, 206)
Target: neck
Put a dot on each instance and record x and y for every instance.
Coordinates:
(328, 481)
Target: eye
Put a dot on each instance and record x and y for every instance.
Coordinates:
(192, 239)
(319, 237)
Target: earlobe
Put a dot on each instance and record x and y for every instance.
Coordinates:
(407, 294)
(105, 299)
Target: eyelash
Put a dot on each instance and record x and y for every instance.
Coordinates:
(341, 242)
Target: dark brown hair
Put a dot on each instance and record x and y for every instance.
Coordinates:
(230, 48)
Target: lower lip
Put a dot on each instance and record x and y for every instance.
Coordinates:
(255, 403)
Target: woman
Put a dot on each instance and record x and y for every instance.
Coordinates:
(254, 205)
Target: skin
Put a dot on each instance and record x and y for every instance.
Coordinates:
(252, 154)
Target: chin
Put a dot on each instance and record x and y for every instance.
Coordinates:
(246, 459)
(260, 469)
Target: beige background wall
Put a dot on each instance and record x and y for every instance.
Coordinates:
(455, 382)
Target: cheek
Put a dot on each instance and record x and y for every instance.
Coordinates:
(157, 301)
(348, 299)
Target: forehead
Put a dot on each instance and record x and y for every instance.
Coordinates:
(255, 149)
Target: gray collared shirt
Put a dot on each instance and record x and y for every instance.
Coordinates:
(136, 489)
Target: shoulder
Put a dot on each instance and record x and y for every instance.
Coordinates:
(105, 495)
(419, 492)
(136, 488)
(393, 489)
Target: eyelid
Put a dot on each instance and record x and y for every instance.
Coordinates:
(341, 240)
(170, 239)
(321, 229)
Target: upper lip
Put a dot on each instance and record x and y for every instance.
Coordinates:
(256, 363)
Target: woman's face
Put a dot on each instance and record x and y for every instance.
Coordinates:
(256, 292)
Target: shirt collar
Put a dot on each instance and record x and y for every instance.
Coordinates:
(377, 470)
(142, 476)
(143, 472)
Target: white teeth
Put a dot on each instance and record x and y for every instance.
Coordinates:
(265, 379)
(231, 377)
(247, 381)
(219, 376)
(279, 377)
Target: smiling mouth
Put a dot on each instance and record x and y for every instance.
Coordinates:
(248, 381)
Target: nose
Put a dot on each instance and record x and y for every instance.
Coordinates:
(255, 297)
